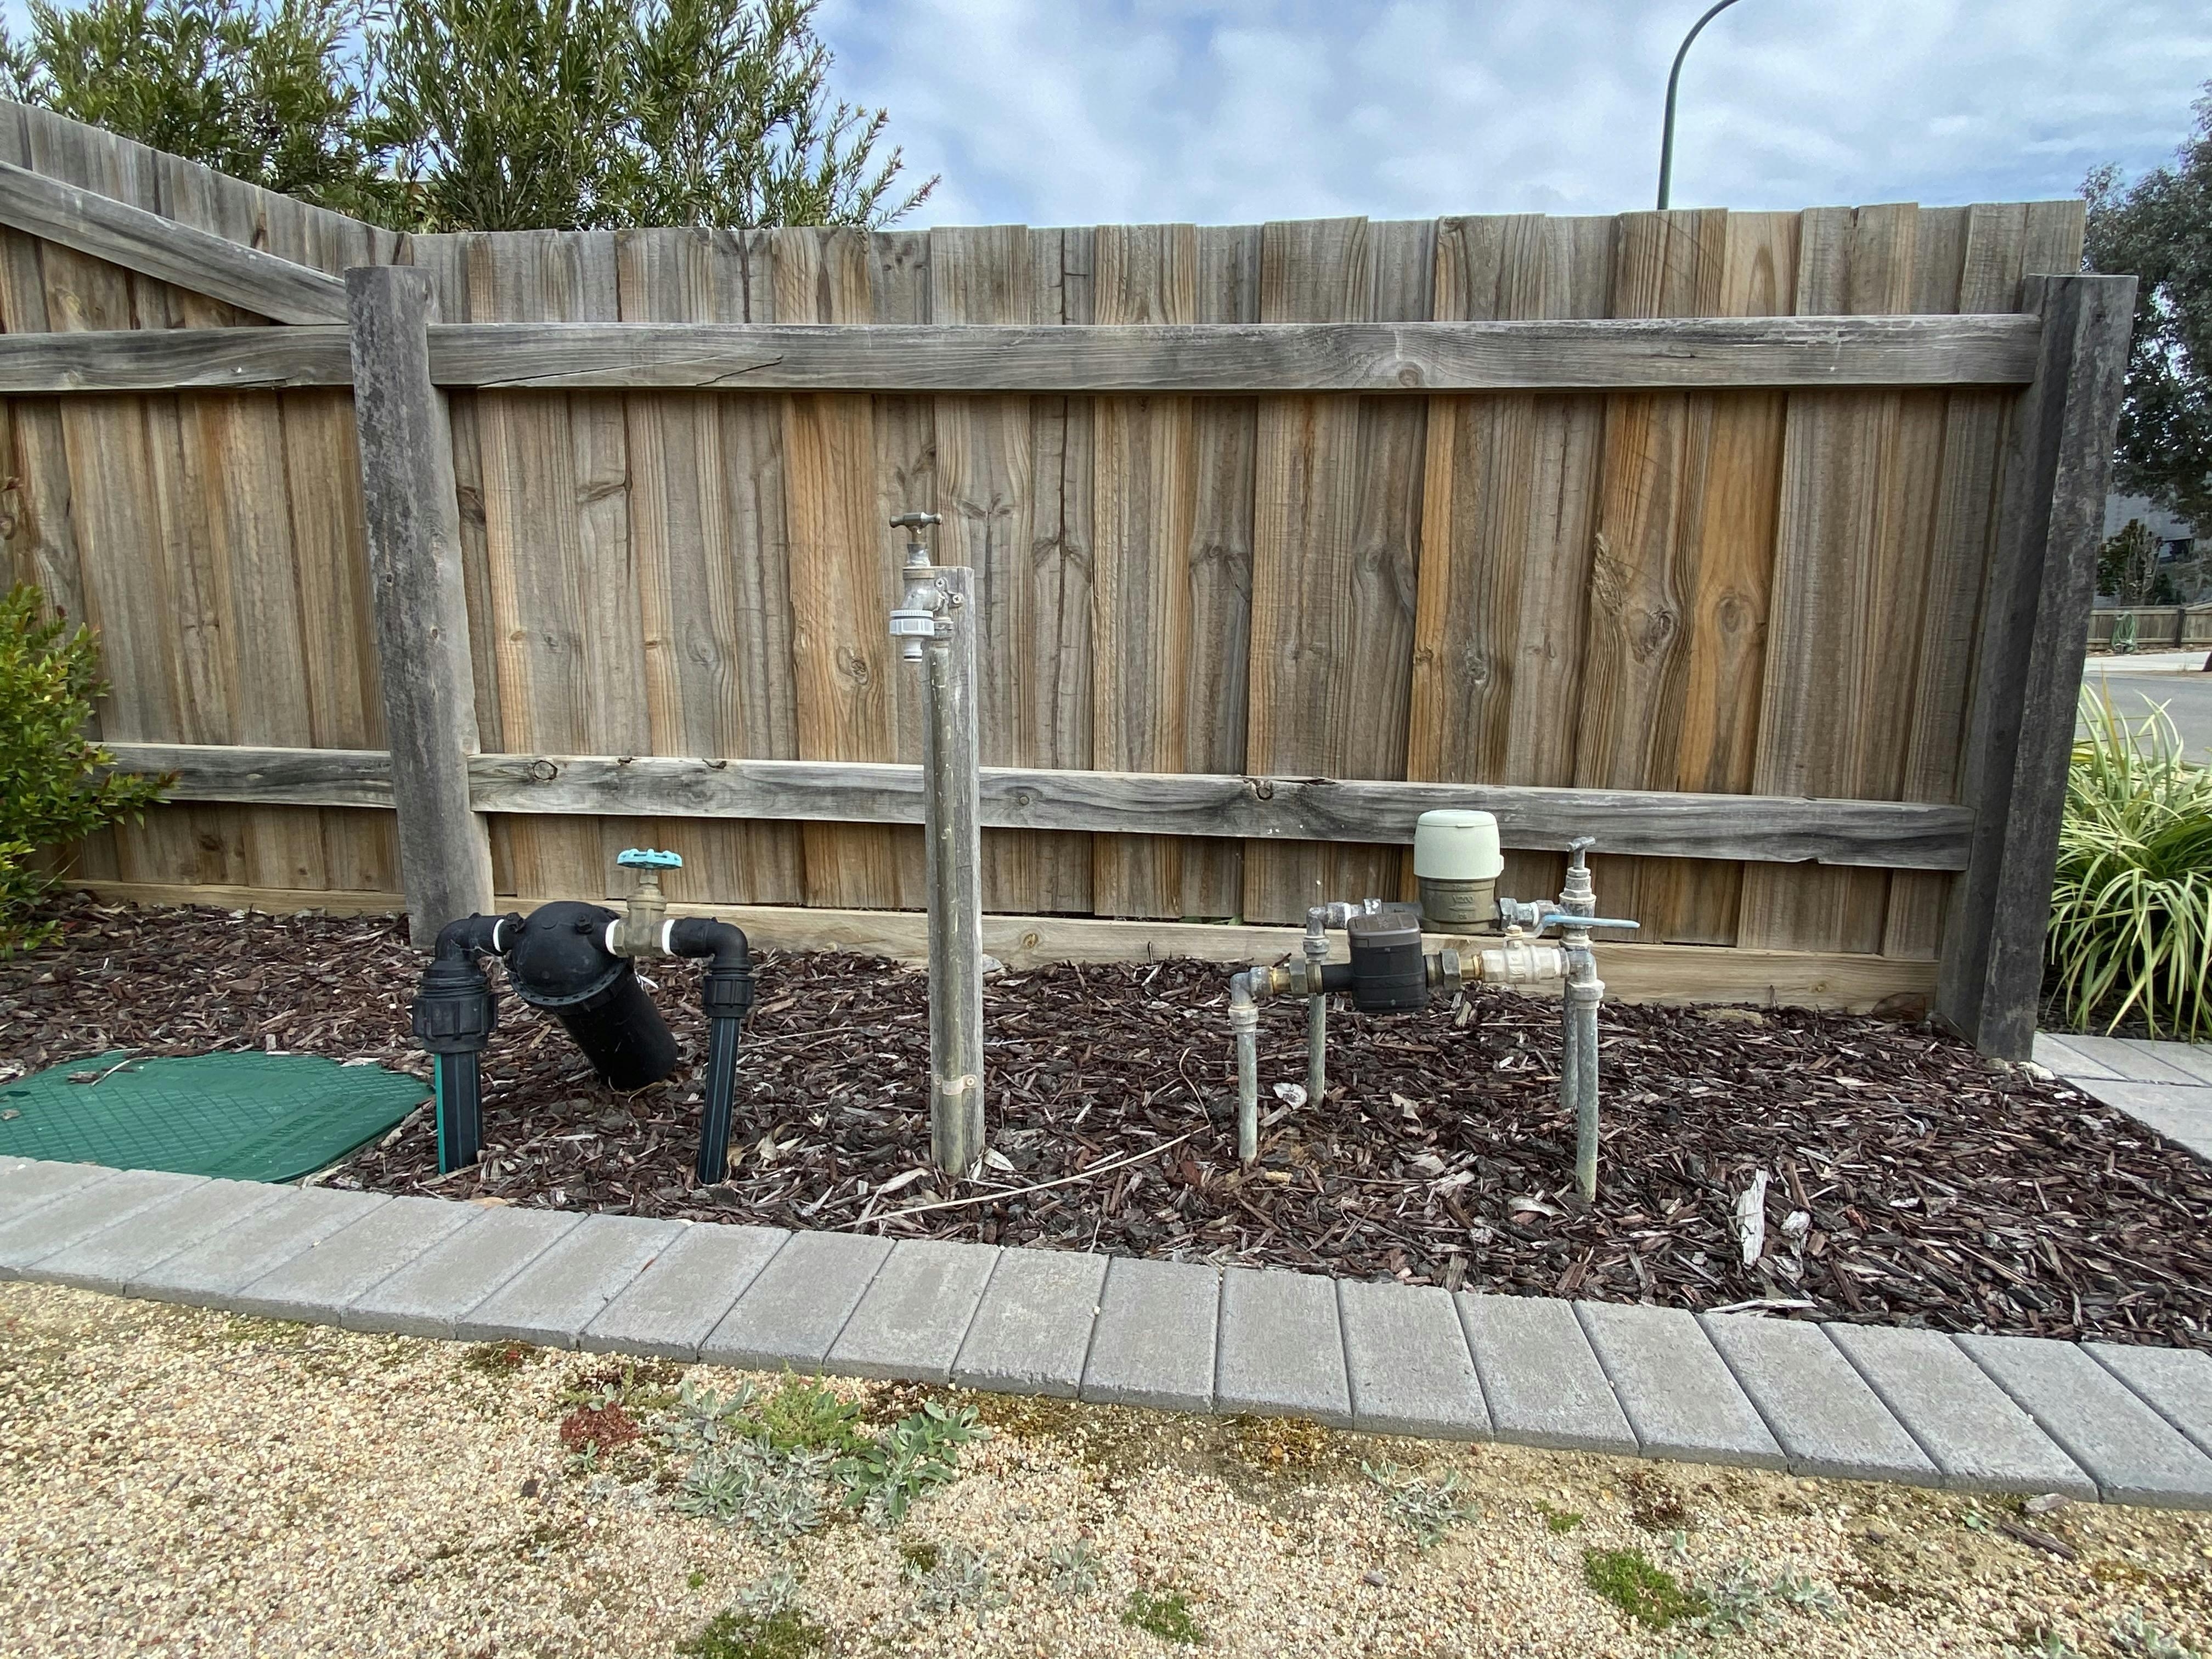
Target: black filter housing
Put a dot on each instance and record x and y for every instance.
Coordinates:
(559, 961)
(1388, 973)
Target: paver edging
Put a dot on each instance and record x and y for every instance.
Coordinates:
(1184, 1336)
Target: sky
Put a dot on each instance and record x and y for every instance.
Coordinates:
(1087, 111)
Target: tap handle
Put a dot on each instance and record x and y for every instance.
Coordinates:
(647, 858)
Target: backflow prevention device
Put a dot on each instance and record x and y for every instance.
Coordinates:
(578, 962)
(1457, 864)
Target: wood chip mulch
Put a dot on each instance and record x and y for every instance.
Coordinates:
(1909, 1181)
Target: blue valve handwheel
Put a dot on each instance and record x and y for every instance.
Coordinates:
(647, 858)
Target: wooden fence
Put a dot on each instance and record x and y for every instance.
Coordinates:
(1663, 526)
(2169, 627)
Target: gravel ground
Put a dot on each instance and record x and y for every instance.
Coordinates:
(1908, 1181)
(176, 1481)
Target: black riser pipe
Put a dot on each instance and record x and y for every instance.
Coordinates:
(720, 1100)
(461, 1111)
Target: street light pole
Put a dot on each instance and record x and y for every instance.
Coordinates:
(1667, 136)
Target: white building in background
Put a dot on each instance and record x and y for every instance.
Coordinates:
(2183, 555)
(2169, 530)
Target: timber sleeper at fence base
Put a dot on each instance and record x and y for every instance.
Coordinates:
(1766, 829)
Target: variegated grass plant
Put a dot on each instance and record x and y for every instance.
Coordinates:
(2130, 935)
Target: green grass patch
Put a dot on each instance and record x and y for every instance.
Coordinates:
(806, 1416)
(786, 1634)
(1561, 1521)
(496, 1359)
(1647, 1594)
(1166, 1615)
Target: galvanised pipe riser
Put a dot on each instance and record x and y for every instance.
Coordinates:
(954, 838)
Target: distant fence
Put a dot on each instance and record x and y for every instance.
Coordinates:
(1698, 587)
(2171, 627)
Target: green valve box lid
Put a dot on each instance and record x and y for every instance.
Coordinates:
(247, 1116)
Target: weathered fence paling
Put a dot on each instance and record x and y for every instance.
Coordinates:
(1665, 526)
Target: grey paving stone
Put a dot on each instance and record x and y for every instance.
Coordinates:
(795, 1307)
(1156, 1336)
(1540, 1376)
(552, 1300)
(1969, 1427)
(109, 1259)
(428, 1297)
(2133, 1454)
(2054, 1053)
(1032, 1330)
(211, 1272)
(2194, 1058)
(2182, 1113)
(1406, 1354)
(2175, 1382)
(2137, 1062)
(911, 1320)
(1281, 1347)
(42, 1230)
(670, 1308)
(323, 1278)
(28, 1181)
(1828, 1421)
(1680, 1395)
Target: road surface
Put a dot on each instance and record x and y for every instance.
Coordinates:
(2135, 690)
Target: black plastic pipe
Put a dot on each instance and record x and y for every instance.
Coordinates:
(455, 1014)
(728, 997)
(558, 961)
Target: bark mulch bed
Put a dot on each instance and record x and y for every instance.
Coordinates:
(1909, 1181)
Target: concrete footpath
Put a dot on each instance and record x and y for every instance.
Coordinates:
(2165, 1086)
(2126, 1425)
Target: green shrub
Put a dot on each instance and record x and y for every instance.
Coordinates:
(2131, 904)
(49, 796)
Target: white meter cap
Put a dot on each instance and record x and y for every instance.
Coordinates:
(1453, 845)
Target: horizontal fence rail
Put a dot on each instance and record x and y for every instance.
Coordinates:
(1601, 354)
(1880, 835)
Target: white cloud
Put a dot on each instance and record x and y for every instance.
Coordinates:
(1051, 112)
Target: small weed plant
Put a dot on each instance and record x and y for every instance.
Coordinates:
(1428, 1509)
(913, 1458)
(1163, 1613)
(1649, 1594)
(1740, 1598)
(1071, 1569)
(52, 790)
(1560, 1521)
(2130, 933)
(957, 1577)
(2133, 1634)
(786, 1461)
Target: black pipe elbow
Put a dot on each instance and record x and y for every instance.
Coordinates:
(702, 936)
(728, 991)
(471, 935)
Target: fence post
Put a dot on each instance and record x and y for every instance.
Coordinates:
(416, 592)
(2028, 674)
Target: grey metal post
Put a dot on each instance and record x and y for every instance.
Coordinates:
(940, 598)
(417, 595)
